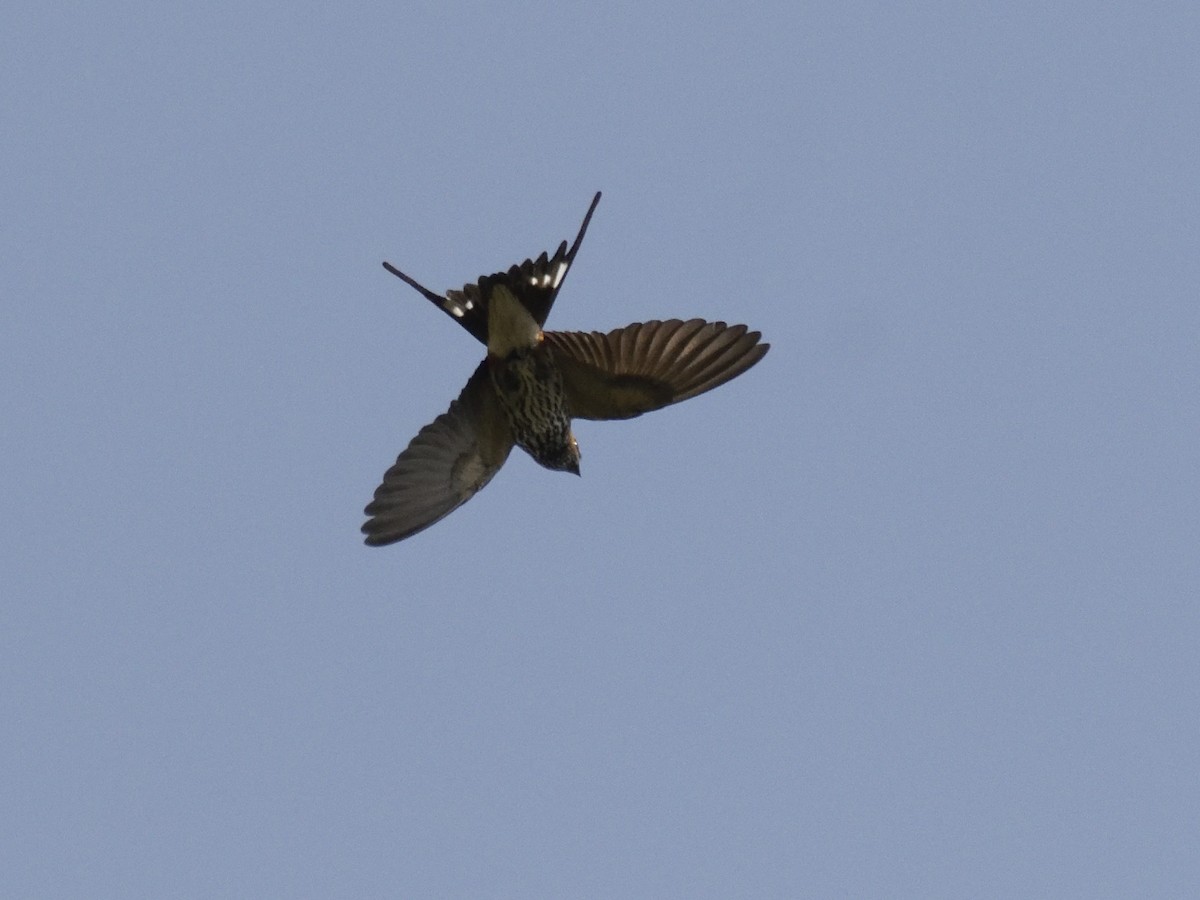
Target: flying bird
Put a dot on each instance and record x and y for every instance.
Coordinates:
(532, 383)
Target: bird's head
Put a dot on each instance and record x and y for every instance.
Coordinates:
(564, 458)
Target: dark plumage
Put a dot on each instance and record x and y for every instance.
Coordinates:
(533, 383)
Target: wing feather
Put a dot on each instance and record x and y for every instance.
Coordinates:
(444, 466)
(648, 365)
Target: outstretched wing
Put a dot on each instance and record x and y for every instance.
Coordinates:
(446, 464)
(649, 365)
(535, 283)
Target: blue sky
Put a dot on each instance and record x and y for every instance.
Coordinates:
(909, 609)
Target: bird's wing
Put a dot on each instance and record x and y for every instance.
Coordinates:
(446, 464)
(649, 365)
(535, 283)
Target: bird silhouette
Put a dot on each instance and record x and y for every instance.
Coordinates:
(532, 383)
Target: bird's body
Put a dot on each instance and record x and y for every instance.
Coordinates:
(534, 382)
(530, 388)
(529, 384)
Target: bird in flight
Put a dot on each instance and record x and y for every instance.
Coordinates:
(532, 383)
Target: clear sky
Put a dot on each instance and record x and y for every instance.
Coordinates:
(908, 610)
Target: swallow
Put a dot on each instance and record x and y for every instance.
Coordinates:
(532, 383)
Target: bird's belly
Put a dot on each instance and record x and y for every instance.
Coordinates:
(531, 394)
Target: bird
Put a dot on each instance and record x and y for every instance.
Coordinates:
(532, 383)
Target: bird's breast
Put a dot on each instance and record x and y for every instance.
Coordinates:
(530, 388)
